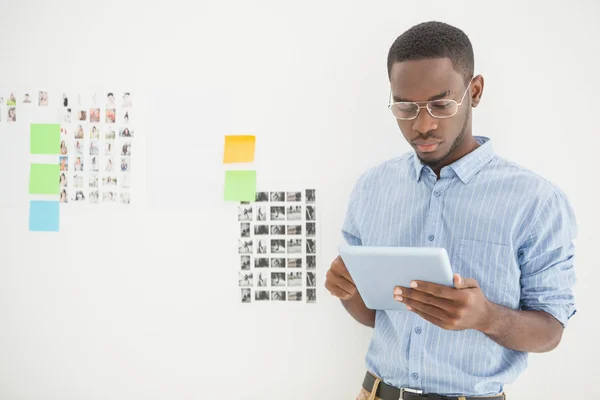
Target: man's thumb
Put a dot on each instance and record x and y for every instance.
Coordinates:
(458, 281)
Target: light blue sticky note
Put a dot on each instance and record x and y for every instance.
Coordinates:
(43, 216)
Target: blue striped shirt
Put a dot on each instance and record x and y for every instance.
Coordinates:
(501, 224)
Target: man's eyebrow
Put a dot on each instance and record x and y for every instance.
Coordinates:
(434, 97)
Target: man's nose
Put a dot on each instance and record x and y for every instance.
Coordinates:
(424, 122)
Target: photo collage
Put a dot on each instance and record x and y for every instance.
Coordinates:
(11, 102)
(277, 247)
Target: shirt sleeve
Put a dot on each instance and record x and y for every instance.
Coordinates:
(547, 261)
(351, 227)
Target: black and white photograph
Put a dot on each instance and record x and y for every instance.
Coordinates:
(277, 213)
(310, 213)
(244, 213)
(311, 262)
(261, 262)
(294, 196)
(294, 246)
(310, 195)
(294, 279)
(261, 246)
(245, 229)
(277, 246)
(278, 295)
(311, 246)
(277, 229)
(245, 263)
(245, 279)
(294, 230)
(294, 213)
(311, 295)
(262, 196)
(125, 198)
(261, 229)
(277, 196)
(277, 262)
(261, 213)
(94, 197)
(277, 279)
(311, 280)
(246, 295)
(245, 246)
(261, 295)
(294, 263)
(261, 279)
(311, 229)
(294, 295)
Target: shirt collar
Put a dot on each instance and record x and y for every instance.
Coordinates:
(469, 165)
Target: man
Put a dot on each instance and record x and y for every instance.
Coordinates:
(508, 233)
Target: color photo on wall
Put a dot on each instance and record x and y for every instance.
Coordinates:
(277, 247)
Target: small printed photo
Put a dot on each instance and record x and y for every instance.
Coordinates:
(93, 181)
(94, 115)
(63, 147)
(278, 295)
(109, 148)
(82, 115)
(261, 262)
(244, 213)
(262, 196)
(311, 280)
(109, 181)
(79, 196)
(245, 229)
(294, 263)
(94, 132)
(109, 166)
(310, 195)
(12, 114)
(64, 131)
(294, 246)
(65, 100)
(261, 213)
(294, 213)
(295, 295)
(277, 196)
(110, 100)
(63, 196)
(43, 98)
(245, 279)
(79, 147)
(294, 230)
(126, 180)
(311, 295)
(294, 196)
(261, 246)
(277, 229)
(78, 181)
(277, 278)
(246, 295)
(79, 134)
(311, 262)
(277, 246)
(125, 164)
(311, 246)
(95, 99)
(111, 115)
(126, 99)
(27, 98)
(11, 100)
(126, 116)
(277, 213)
(62, 181)
(310, 213)
(311, 229)
(109, 197)
(244, 246)
(126, 149)
(261, 295)
(245, 263)
(64, 163)
(78, 166)
(94, 197)
(125, 198)
(95, 164)
(277, 262)
(262, 278)
(125, 132)
(110, 134)
(261, 230)
(294, 278)
(65, 115)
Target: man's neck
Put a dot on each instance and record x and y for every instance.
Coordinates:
(466, 147)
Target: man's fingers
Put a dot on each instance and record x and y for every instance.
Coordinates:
(340, 293)
(427, 309)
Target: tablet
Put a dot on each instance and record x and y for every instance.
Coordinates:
(376, 271)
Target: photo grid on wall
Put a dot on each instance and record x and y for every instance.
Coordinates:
(277, 247)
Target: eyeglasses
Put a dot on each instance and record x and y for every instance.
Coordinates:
(442, 108)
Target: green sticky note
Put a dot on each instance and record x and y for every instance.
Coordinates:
(44, 138)
(44, 179)
(240, 185)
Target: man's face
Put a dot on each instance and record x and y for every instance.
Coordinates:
(435, 140)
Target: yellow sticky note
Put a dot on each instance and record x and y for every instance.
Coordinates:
(239, 149)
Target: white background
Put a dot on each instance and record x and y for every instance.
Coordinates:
(141, 302)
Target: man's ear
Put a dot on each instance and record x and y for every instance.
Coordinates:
(476, 90)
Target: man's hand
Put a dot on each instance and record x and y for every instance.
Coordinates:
(338, 280)
(462, 307)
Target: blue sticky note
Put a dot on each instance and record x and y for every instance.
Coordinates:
(43, 216)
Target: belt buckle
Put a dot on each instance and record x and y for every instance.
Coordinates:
(402, 390)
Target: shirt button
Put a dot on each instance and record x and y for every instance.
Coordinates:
(418, 330)
(431, 237)
(415, 376)
(436, 193)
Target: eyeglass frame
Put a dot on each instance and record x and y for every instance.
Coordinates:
(390, 104)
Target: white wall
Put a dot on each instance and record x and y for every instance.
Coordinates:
(142, 302)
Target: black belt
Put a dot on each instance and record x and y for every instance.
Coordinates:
(387, 392)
